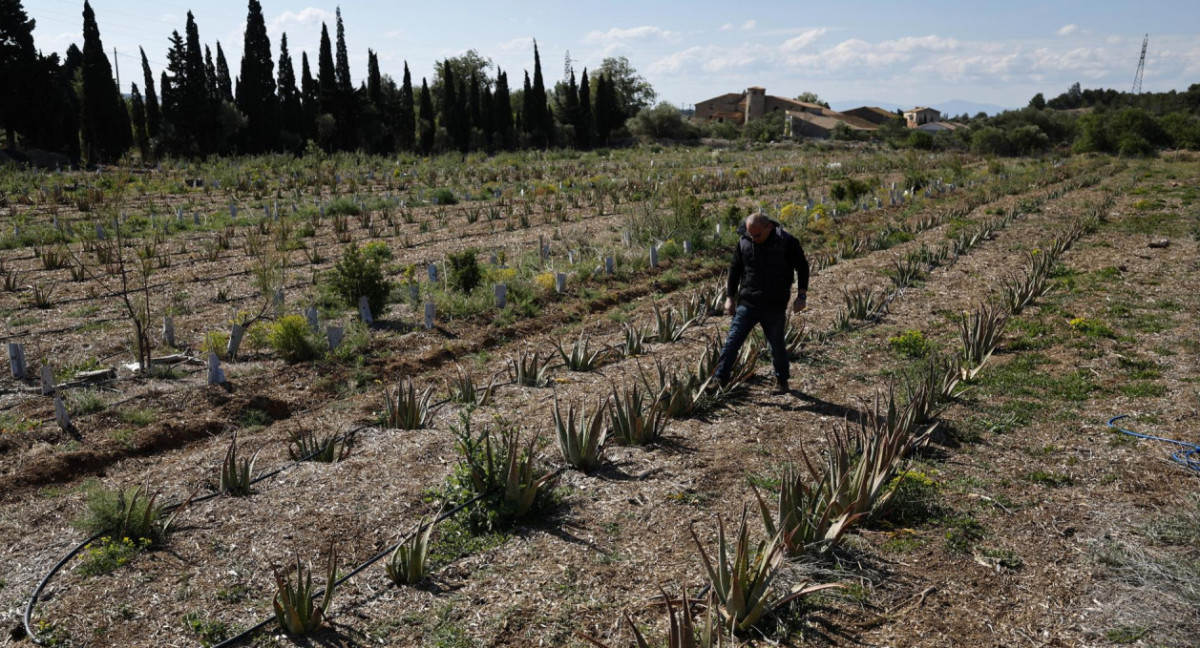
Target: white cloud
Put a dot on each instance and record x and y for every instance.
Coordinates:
(306, 19)
(643, 33)
(1067, 30)
(675, 62)
(523, 44)
(749, 25)
(802, 41)
(727, 27)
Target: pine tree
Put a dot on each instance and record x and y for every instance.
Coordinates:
(104, 123)
(256, 85)
(426, 120)
(18, 69)
(140, 136)
(406, 114)
(224, 82)
(583, 122)
(290, 110)
(153, 115)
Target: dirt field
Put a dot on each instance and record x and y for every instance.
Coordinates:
(1037, 523)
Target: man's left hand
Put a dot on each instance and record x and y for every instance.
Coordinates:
(800, 304)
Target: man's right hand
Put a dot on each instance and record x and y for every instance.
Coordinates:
(729, 306)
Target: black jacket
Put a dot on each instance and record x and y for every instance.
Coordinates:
(761, 273)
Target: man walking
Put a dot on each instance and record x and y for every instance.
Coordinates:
(760, 278)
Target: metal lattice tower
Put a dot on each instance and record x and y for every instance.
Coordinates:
(1137, 79)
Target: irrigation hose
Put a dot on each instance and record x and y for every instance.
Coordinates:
(233, 641)
(27, 619)
(1187, 456)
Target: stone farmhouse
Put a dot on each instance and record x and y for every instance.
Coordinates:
(928, 120)
(802, 119)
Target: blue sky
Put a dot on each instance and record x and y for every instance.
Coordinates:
(901, 52)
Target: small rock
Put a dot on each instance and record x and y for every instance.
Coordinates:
(1159, 243)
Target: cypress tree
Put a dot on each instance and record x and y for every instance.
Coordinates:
(474, 107)
(153, 115)
(425, 120)
(210, 73)
(541, 119)
(256, 85)
(18, 69)
(290, 110)
(528, 123)
(374, 80)
(502, 115)
(344, 83)
(103, 121)
(448, 107)
(140, 136)
(199, 111)
(310, 98)
(406, 114)
(327, 83)
(583, 123)
(224, 82)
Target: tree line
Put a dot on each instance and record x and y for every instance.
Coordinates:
(198, 107)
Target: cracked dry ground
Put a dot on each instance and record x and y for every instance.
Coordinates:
(1049, 528)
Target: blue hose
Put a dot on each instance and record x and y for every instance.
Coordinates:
(1187, 456)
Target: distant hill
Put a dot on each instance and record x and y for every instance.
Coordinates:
(950, 108)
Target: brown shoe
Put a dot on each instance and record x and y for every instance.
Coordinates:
(781, 387)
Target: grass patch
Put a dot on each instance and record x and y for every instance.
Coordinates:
(1144, 389)
(140, 417)
(106, 554)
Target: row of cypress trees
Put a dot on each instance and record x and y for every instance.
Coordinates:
(197, 108)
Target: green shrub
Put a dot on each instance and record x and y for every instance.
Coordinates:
(343, 207)
(850, 189)
(292, 339)
(377, 251)
(356, 275)
(125, 514)
(911, 344)
(106, 554)
(463, 271)
(443, 196)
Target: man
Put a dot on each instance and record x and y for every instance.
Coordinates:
(760, 277)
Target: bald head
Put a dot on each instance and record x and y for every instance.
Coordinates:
(758, 227)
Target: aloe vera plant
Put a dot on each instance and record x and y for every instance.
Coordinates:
(529, 369)
(236, 475)
(681, 629)
(408, 563)
(581, 438)
(463, 389)
(633, 341)
(863, 303)
(669, 325)
(742, 573)
(306, 445)
(405, 409)
(296, 608)
(636, 419)
(581, 357)
(980, 332)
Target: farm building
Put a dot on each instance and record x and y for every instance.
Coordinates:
(752, 103)
(919, 115)
(873, 114)
(821, 126)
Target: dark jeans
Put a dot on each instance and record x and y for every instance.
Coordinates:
(774, 324)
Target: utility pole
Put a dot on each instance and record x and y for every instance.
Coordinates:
(1137, 79)
(117, 68)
